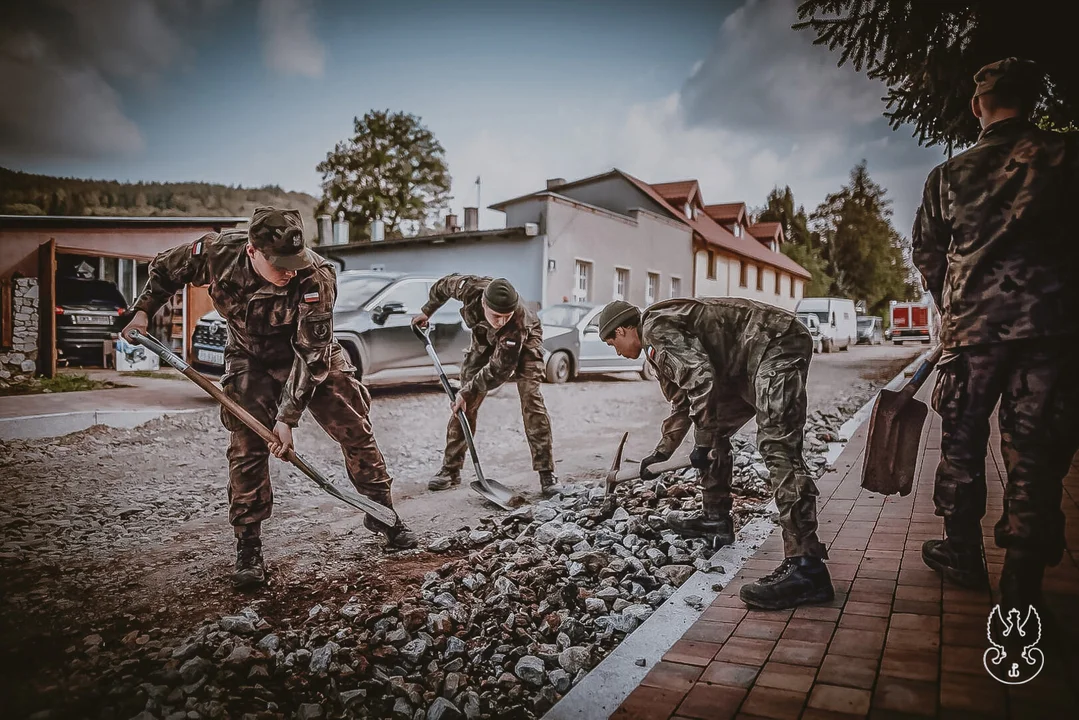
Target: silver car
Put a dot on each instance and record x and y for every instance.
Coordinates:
(571, 345)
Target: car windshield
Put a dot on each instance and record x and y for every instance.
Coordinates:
(822, 315)
(563, 315)
(806, 320)
(353, 292)
(865, 323)
(72, 291)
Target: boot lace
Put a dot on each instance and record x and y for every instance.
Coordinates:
(779, 572)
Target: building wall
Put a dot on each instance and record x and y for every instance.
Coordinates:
(518, 260)
(20, 360)
(641, 243)
(615, 194)
(727, 282)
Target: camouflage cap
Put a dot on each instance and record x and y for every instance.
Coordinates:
(278, 234)
(1012, 75)
(614, 315)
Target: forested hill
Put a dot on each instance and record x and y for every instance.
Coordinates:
(25, 194)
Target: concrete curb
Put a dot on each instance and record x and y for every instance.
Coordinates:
(35, 427)
(608, 684)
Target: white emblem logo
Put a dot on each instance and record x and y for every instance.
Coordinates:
(1014, 658)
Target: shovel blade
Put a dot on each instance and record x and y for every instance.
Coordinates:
(495, 492)
(891, 454)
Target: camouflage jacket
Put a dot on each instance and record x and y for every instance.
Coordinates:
(995, 240)
(705, 349)
(268, 326)
(516, 343)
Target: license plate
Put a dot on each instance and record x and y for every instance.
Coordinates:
(93, 320)
(211, 357)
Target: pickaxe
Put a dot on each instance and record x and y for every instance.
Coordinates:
(616, 475)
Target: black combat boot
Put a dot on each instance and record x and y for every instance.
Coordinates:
(549, 483)
(250, 570)
(444, 480)
(1021, 581)
(398, 537)
(716, 527)
(797, 581)
(960, 562)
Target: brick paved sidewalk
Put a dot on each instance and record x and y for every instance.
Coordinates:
(895, 643)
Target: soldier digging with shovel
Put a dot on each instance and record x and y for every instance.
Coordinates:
(721, 362)
(281, 358)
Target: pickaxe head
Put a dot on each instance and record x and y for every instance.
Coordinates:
(608, 507)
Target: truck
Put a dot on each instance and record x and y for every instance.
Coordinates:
(913, 321)
(838, 321)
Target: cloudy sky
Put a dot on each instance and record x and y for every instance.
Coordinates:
(256, 92)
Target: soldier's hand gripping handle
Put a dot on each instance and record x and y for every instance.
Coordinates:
(655, 457)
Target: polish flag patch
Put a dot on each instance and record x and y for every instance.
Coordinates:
(196, 247)
(651, 353)
(311, 297)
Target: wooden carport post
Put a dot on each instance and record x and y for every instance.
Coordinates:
(46, 308)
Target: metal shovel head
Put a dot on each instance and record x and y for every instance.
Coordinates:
(891, 454)
(497, 493)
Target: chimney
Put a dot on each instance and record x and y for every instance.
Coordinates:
(325, 229)
(555, 182)
(340, 229)
(472, 218)
(451, 223)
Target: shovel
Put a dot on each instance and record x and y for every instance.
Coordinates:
(379, 512)
(491, 490)
(895, 429)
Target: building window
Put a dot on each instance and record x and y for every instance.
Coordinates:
(792, 285)
(583, 277)
(779, 282)
(760, 278)
(738, 230)
(689, 211)
(621, 283)
(742, 272)
(711, 269)
(676, 287)
(651, 288)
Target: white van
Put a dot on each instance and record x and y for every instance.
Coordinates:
(838, 321)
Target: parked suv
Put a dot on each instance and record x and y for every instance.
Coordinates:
(88, 313)
(812, 324)
(372, 320)
(571, 344)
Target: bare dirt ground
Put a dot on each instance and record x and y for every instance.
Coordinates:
(109, 531)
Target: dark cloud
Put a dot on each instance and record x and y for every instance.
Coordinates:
(60, 65)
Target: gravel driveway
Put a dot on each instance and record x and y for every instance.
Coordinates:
(110, 531)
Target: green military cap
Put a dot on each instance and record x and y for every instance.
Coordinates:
(500, 296)
(614, 315)
(278, 234)
(1011, 74)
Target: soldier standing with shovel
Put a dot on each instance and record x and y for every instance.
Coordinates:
(720, 362)
(281, 358)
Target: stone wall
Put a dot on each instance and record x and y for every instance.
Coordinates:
(20, 362)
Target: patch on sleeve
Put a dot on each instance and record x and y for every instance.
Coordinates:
(196, 247)
(651, 351)
(311, 297)
(511, 343)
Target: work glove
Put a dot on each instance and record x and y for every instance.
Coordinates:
(701, 457)
(656, 457)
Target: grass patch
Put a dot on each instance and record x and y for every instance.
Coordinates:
(65, 382)
(160, 375)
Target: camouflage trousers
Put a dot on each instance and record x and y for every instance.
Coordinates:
(536, 420)
(1039, 434)
(340, 405)
(777, 399)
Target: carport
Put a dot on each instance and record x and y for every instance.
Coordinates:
(117, 249)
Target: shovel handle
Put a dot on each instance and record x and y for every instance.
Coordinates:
(922, 373)
(633, 472)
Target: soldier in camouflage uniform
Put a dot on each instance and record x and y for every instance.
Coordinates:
(995, 241)
(721, 362)
(281, 357)
(507, 343)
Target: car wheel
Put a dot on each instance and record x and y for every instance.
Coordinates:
(647, 373)
(558, 368)
(826, 346)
